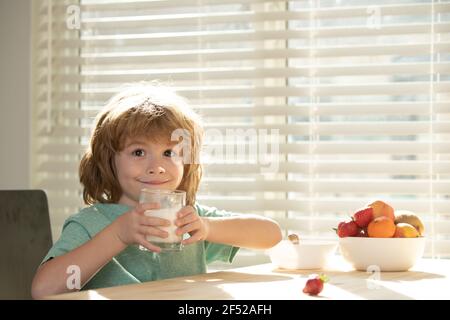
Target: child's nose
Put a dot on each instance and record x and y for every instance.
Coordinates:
(156, 170)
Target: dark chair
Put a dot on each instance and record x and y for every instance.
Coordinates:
(25, 238)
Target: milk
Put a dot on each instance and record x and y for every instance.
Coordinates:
(171, 215)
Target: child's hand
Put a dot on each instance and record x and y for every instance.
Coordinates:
(188, 221)
(133, 226)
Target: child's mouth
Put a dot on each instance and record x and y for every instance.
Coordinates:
(155, 183)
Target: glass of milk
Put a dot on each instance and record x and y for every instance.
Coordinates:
(170, 203)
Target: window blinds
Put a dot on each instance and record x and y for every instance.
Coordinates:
(357, 91)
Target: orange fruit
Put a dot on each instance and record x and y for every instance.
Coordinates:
(381, 227)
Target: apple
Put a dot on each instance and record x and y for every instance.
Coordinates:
(382, 209)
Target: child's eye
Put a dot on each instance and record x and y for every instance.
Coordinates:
(138, 153)
(170, 153)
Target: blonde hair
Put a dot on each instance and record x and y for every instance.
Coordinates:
(142, 110)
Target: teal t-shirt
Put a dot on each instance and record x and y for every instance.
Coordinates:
(133, 265)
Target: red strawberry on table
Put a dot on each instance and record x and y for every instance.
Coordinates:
(347, 229)
(363, 217)
(315, 284)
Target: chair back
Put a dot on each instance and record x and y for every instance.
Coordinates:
(25, 238)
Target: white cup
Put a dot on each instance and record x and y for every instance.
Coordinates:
(170, 203)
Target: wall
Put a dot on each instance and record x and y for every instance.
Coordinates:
(15, 93)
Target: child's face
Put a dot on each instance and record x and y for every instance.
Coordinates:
(145, 164)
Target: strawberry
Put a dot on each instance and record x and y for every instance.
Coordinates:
(363, 217)
(315, 284)
(347, 229)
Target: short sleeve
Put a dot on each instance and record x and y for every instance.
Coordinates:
(73, 235)
(217, 251)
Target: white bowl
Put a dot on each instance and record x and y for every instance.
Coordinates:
(305, 255)
(383, 254)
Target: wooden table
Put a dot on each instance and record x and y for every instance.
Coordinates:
(429, 279)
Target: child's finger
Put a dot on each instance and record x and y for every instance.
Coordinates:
(185, 211)
(153, 231)
(189, 227)
(186, 219)
(154, 221)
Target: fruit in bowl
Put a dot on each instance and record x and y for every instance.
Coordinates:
(381, 209)
(301, 254)
(381, 227)
(379, 220)
(405, 230)
(404, 216)
(380, 236)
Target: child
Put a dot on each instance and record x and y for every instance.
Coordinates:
(132, 148)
